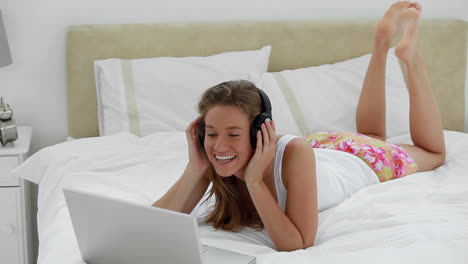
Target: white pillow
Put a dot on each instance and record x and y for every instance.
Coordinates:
(143, 96)
(324, 98)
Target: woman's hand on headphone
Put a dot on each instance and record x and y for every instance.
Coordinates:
(264, 153)
(197, 155)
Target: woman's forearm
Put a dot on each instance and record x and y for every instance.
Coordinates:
(282, 231)
(185, 194)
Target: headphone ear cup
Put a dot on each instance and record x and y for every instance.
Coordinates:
(201, 133)
(257, 126)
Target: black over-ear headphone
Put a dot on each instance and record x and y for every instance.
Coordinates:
(256, 124)
(260, 118)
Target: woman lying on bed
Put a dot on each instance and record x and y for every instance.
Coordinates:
(281, 182)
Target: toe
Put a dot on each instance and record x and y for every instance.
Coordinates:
(415, 5)
(419, 7)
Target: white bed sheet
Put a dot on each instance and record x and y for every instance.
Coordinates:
(422, 218)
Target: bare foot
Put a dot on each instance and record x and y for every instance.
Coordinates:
(406, 48)
(390, 23)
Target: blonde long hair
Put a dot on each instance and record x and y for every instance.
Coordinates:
(231, 210)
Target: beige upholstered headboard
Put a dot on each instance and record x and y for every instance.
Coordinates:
(295, 44)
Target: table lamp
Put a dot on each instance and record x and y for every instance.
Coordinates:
(8, 131)
(5, 56)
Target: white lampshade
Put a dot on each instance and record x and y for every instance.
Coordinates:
(5, 56)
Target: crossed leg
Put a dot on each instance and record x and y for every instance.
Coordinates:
(425, 121)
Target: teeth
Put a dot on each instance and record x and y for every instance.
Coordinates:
(225, 157)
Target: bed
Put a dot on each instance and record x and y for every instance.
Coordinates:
(422, 218)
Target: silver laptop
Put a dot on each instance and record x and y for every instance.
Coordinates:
(120, 232)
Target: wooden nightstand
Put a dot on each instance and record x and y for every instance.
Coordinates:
(15, 203)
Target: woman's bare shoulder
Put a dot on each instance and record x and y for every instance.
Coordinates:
(298, 156)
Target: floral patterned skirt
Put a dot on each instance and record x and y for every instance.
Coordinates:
(387, 160)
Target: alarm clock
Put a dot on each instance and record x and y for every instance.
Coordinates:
(8, 130)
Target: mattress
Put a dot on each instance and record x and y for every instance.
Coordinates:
(421, 218)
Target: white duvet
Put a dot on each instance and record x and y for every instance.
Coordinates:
(422, 218)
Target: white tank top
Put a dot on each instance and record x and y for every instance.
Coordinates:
(338, 174)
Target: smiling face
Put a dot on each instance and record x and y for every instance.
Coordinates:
(227, 140)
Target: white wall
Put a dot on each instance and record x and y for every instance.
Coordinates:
(35, 85)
